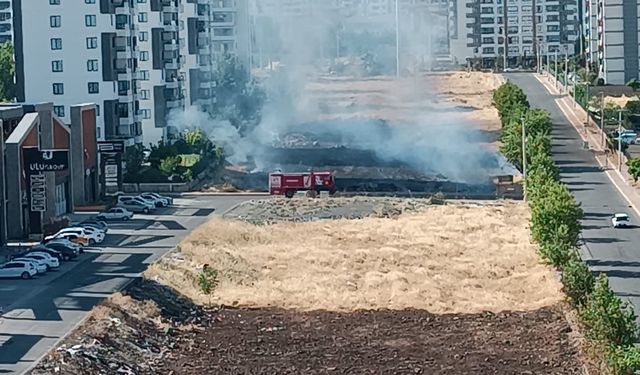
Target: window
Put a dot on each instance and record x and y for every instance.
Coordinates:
(90, 20)
(92, 42)
(58, 89)
(54, 2)
(144, 94)
(89, 1)
(56, 43)
(144, 56)
(145, 113)
(56, 66)
(143, 17)
(145, 75)
(142, 1)
(92, 65)
(58, 110)
(98, 112)
(93, 87)
(144, 36)
(55, 21)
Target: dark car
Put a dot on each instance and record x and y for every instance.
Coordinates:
(39, 248)
(67, 252)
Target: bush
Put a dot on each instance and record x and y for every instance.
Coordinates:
(608, 320)
(578, 281)
(633, 106)
(508, 98)
(554, 208)
(623, 360)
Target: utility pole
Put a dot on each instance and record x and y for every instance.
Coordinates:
(397, 41)
(620, 139)
(524, 149)
(604, 146)
(566, 68)
(555, 71)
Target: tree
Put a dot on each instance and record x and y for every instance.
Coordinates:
(578, 281)
(634, 84)
(556, 207)
(634, 168)
(133, 159)
(7, 73)
(208, 281)
(170, 164)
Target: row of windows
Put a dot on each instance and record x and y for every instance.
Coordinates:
(57, 66)
(57, 2)
(92, 88)
(90, 20)
(92, 41)
(60, 112)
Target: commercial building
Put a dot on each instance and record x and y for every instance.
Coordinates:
(520, 28)
(611, 30)
(48, 168)
(6, 29)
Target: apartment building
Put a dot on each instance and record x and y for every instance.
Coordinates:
(614, 39)
(6, 29)
(81, 51)
(519, 28)
(213, 28)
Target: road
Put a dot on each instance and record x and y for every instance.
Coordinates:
(613, 251)
(38, 312)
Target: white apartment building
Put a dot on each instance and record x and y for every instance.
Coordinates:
(6, 33)
(520, 28)
(77, 52)
(614, 39)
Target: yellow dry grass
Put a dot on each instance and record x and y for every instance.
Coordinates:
(456, 258)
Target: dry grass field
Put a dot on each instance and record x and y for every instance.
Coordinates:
(455, 258)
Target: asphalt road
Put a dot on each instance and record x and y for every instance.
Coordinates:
(613, 251)
(38, 312)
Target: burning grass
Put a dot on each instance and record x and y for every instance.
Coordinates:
(456, 258)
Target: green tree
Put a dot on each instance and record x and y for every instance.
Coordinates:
(208, 281)
(133, 160)
(624, 360)
(607, 319)
(556, 210)
(169, 165)
(634, 84)
(7, 73)
(634, 168)
(578, 281)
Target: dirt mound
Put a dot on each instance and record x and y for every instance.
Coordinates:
(457, 258)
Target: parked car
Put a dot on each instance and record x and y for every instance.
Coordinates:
(66, 252)
(620, 220)
(48, 260)
(98, 224)
(627, 136)
(73, 237)
(116, 213)
(53, 252)
(94, 235)
(159, 202)
(134, 205)
(41, 266)
(167, 198)
(22, 269)
(151, 200)
(66, 242)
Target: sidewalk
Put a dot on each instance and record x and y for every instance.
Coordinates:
(593, 135)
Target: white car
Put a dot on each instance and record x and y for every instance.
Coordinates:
(136, 204)
(620, 220)
(25, 270)
(48, 260)
(168, 199)
(41, 267)
(116, 213)
(93, 235)
(158, 202)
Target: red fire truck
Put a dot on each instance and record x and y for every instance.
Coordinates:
(288, 184)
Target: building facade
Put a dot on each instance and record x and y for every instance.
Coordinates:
(522, 28)
(6, 15)
(34, 198)
(613, 47)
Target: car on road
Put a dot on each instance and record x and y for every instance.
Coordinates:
(620, 220)
(115, 213)
(66, 252)
(41, 266)
(44, 258)
(167, 198)
(136, 205)
(22, 269)
(627, 136)
(158, 202)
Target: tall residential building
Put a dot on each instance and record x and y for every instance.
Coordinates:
(82, 51)
(519, 28)
(614, 39)
(6, 32)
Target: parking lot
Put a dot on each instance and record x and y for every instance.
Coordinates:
(38, 311)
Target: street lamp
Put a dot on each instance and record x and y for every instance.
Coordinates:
(555, 71)
(397, 41)
(566, 67)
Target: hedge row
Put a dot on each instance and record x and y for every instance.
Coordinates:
(609, 323)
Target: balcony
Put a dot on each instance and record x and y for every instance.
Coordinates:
(178, 103)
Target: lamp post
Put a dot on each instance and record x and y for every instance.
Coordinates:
(397, 40)
(602, 120)
(566, 68)
(555, 71)
(524, 155)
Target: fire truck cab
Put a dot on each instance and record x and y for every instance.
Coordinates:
(288, 184)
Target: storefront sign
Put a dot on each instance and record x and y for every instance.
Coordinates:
(38, 190)
(111, 146)
(36, 161)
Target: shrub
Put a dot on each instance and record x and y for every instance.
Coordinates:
(633, 106)
(608, 320)
(558, 247)
(623, 360)
(578, 281)
(555, 207)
